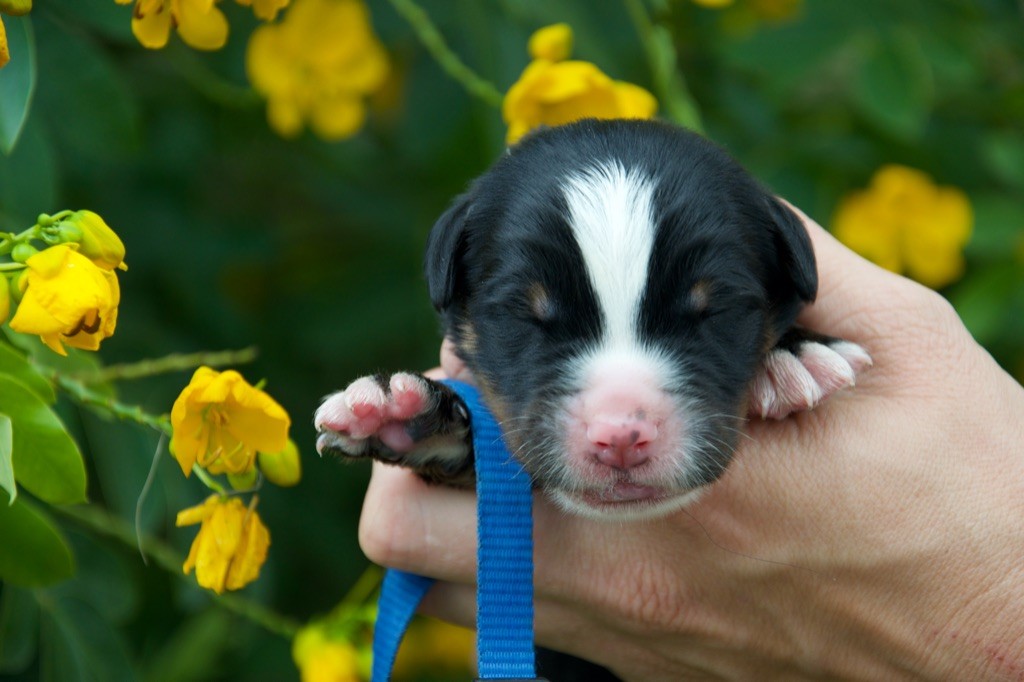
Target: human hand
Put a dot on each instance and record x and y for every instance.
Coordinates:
(876, 537)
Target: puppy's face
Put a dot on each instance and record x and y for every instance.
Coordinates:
(614, 287)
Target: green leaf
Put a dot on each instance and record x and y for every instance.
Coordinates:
(34, 553)
(104, 579)
(19, 625)
(86, 102)
(28, 177)
(810, 44)
(47, 462)
(191, 652)
(6, 458)
(1003, 151)
(107, 18)
(17, 81)
(982, 300)
(17, 365)
(895, 86)
(77, 643)
(76, 361)
(998, 227)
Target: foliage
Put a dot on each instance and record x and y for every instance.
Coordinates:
(311, 251)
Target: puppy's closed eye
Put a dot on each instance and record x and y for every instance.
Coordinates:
(541, 306)
(698, 299)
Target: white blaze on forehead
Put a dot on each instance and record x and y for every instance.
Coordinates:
(612, 218)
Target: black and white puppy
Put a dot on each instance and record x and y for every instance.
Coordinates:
(624, 293)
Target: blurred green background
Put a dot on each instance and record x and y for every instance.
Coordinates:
(311, 250)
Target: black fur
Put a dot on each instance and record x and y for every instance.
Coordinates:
(715, 224)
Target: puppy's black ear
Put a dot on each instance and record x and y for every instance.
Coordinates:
(795, 282)
(793, 246)
(445, 246)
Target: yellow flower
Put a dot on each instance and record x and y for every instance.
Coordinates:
(282, 468)
(66, 298)
(16, 7)
(435, 645)
(98, 243)
(5, 297)
(555, 93)
(231, 545)
(776, 10)
(200, 24)
(265, 9)
(906, 223)
(317, 66)
(553, 43)
(551, 92)
(321, 659)
(5, 54)
(220, 421)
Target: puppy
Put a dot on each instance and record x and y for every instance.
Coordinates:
(624, 294)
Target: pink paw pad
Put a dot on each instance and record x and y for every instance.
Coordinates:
(409, 396)
(348, 418)
(788, 382)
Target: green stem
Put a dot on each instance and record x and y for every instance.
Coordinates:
(210, 84)
(364, 588)
(680, 106)
(87, 396)
(208, 481)
(111, 526)
(12, 267)
(174, 362)
(432, 39)
(9, 240)
(60, 215)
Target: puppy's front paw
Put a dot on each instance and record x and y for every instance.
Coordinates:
(403, 419)
(802, 371)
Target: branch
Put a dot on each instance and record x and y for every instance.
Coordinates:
(87, 396)
(175, 362)
(432, 39)
(105, 523)
(680, 106)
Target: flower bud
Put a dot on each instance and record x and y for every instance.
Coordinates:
(22, 252)
(99, 243)
(281, 468)
(244, 480)
(69, 232)
(553, 43)
(5, 298)
(16, 7)
(5, 52)
(17, 288)
(44, 220)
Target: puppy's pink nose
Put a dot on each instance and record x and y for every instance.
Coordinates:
(621, 442)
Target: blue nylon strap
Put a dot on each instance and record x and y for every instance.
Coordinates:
(400, 594)
(504, 563)
(504, 578)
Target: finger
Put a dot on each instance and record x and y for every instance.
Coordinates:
(410, 525)
(452, 364)
(430, 530)
(556, 626)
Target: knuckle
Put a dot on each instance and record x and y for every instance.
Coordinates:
(389, 533)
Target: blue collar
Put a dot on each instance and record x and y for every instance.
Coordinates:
(504, 599)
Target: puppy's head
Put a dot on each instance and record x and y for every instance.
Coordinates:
(614, 285)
